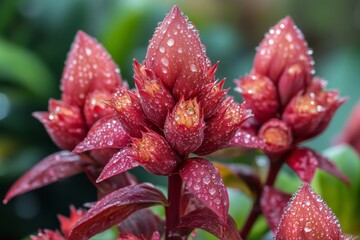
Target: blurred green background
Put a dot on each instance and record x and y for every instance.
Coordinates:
(35, 36)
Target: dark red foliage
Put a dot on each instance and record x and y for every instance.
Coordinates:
(57, 166)
(205, 182)
(114, 208)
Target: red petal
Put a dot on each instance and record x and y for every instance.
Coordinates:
(114, 208)
(184, 126)
(273, 203)
(57, 166)
(122, 161)
(155, 154)
(176, 55)
(66, 223)
(260, 94)
(205, 182)
(304, 162)
(88, 67)
(308, 217)
(105, 133)
(64, 123)
(281, 48)
(156, 100)
(95, 108)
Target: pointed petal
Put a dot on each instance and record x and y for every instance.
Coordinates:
(64, 123)
(176, 55)
(273, 203)
(308, 217)
(114, 208)
(105, 133)
(122, 161)
(66, 223)
(205, 182)
(304, 162)
(88, 67)
(184, 126)
(57, 166)
(95, 108)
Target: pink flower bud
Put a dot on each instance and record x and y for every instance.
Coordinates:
(64, 124)
(88, 67)
(176, 56)
(156, 100)
(260, 95)
(284, 57)
(95, 108)
(155, 155)
(276, 135)
(222, 127)
(128, 108)
(184, 127)
(211, 97)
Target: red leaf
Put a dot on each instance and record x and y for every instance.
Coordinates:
(88, 67)
(176, 56)
(122, 161)
(308, 217)
(304, 162)
(207, 220)
(105, 133)
(273, 203)
(205, 182)
(142, 223)
(55, 167)
(114, 208)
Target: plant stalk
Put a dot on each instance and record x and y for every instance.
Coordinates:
(172, 213)
(256, 208)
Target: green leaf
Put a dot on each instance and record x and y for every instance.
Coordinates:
(110, 234)
(24, 68)
(342, 199)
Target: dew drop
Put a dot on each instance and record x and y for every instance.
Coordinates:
(180, 50)
(212, 191)
(196, 187)
(162, 49)
(88, 51)
(306, 229)
(170, 42)
(193, 67)
(206, 180)
(164, 70)
(165, 61)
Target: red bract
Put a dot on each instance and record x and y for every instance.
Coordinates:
(308, 217)
(88, 68)
(64, 123)
(176, 56)
(66, 223)
(284, 57)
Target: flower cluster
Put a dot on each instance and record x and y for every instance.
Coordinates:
(177, 114)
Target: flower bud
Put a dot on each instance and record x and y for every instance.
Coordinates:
(155, 155)
(176, 56)
(222, 127)
(276, 135)
(156, 100)
(284, 51)
(260, 95)
(95, 108)
(64, 124)
(211, 97)
(88, 67)
(184, 127)
(127, 106)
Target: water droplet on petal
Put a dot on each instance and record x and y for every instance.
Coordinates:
(170, 42)
(162, 49)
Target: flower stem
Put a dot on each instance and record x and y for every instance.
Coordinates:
(256, 209)
(173, 210)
